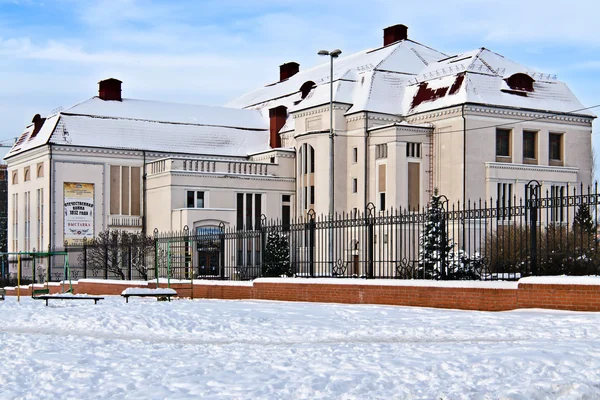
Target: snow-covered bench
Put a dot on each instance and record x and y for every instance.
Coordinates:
(68, 296)
(145, 292)
(2, 293)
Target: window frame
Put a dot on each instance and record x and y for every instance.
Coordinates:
(551, 159)
(195, 198)
(502, 133)
(530, 136)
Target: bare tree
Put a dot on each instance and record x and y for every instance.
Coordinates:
(119, 253)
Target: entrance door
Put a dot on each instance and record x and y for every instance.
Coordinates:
(208, 263)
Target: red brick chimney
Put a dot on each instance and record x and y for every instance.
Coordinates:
(110, 89)
(288, 70)
(394, 33)
(277, 117)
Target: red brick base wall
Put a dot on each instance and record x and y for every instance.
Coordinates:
(563, 297)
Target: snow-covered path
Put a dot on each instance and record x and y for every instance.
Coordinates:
(257, 349)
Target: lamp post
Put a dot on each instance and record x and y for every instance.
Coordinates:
(332, 54)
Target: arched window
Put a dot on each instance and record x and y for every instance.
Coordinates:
(15, 178)
(26, 175)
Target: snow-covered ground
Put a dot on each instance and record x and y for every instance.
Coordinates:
(273, 350)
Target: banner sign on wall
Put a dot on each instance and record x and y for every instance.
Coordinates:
(79, 212)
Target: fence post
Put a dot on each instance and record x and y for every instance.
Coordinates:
(534, 187)
(222, 251)
(156, 255)
(312, 227)
(84, 258)
(263, 243)
(370, 238)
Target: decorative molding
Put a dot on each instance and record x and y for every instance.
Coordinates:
(227, 175)
(320, 110)
(530, 168)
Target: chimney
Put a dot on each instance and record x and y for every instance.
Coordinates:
(277, 118)
(288, 70)
(394, 33)
(38, 121)
(110, 89)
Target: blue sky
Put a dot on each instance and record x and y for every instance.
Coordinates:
(53, 53)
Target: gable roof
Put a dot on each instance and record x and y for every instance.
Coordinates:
(152, 126)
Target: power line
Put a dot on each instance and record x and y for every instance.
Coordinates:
(516, 121)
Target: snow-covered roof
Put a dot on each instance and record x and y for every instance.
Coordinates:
(407, 78)
(153, 126)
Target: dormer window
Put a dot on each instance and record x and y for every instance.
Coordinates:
(521, 82)
(306, 88)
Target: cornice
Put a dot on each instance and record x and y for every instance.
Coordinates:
(359, 117)
(527, 114)
(230, 176)
(434, 114)
(319, 110)
(529, 167)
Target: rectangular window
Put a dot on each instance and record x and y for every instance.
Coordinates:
(381, 151)
(194, 199)
(414, 187)
(125, 192)
(40, 219)
(413, 150)
(504, 201)
(249, 211)
(382, 201)
(286, 211)
(503, 142)
(312, 159)
(240, 212)
(555, 149)
(557, 203)
(355, 154)
(257, 211)
(27, 221)
(15, 218)
(354, 185)
(530, 144)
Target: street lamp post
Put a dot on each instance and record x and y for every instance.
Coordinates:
(332, 54)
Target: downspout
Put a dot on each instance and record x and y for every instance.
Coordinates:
(51, 197)
(144, 227)
(366, 166)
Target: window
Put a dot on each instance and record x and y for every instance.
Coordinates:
(248, 211)
(312, 159)
(530, 144)
(355, 154)
(555, 149)
(286, 211)
(381, 151)
(27, 221)
(15, 178)
(40, 170)
(504, 201)
(503, 142)
(557, 203)
(125, 190)
(354, 185)
(40, 219)
(312, 196)
(413, 150)
(307, 160)
(15, 220)
(195, 199)
(26, 175)
(382, 201)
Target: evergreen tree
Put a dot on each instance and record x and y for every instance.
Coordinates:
(277, 256)
(583, 221)
(435, 245)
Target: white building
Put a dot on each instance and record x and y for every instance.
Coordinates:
(407, 119)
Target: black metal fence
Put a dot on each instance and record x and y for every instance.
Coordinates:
(547, 233)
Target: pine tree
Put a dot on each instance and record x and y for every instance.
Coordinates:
(277, 256)
(583, 221)
(435, 244)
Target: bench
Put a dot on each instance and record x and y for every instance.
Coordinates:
(2, 294)
(135, 292)
(38, 292)
(71, 297)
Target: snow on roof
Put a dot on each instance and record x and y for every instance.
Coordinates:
(158, 136)
(155, 126)
(407, 78)
(169, 112)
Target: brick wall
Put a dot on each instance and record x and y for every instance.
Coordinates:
(525, 295)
